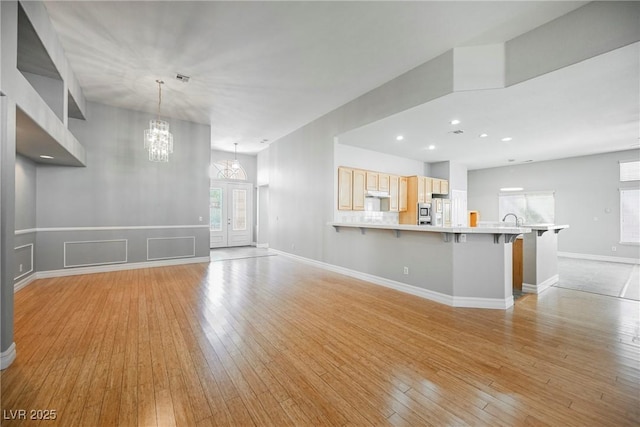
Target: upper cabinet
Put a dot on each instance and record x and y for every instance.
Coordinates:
(353, 185)
(444, 186)
(436, 186)
(377, 181)
(372, 181)
(402, 194)
(383, 182)
(440, 186)
(358, 189)
(345, 186)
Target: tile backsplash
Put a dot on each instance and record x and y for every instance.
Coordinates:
(367, 217)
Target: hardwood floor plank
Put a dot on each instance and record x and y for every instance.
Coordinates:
(269, 341)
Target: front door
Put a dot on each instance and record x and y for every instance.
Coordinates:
(230, 206)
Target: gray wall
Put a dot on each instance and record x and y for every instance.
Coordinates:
(25, 218)
(586, 198)
(25, 193)
(120, 187)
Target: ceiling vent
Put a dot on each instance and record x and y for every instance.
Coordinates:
(182, 78)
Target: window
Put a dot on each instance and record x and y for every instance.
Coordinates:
(215, 208)
(630, 170)
(223, 169)
(629, 203)
(533, 208)
(630, 215)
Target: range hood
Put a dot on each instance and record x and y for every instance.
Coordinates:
(378, 194)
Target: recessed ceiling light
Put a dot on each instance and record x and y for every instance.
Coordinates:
(455, 122)
(46, 157)
(431, 147)
(511, 189)
(399, 138)
(483, 135)
(507, 139)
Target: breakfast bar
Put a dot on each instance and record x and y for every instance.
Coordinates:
(457, 266)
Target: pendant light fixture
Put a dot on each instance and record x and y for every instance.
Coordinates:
(236, 163)
(157, 139)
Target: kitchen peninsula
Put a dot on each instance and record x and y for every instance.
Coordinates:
(457, 266)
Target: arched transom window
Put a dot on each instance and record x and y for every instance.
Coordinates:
(225, 169)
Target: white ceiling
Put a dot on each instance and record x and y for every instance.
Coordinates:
(260, 70)
(587, 108)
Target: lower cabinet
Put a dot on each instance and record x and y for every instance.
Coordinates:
(517, 263)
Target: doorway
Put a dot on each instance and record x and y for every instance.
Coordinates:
(230, 211)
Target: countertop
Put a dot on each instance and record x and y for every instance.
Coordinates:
(435, 229)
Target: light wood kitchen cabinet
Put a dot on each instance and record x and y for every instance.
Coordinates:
(415, 188)
(372, 181)
(444, 186)
(383, 182)
(358, 190)
(436, 186)
(397, 193)
(428, 188)
(517, 269)
(440, 186)
(394, 183)
(402, 194)
(420, 185)
(345, 186)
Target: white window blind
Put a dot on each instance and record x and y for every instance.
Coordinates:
(533, 208)
(630, 215)
(630, 170)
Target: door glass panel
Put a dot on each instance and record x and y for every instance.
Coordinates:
(215, 209)
(239, 210)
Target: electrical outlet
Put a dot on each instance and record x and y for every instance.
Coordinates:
(462, 238)
(406, 270)
(21, 268)
(200, 218)
(613, 249)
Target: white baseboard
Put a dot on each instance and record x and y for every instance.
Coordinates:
(452, 301)
(262, 245)
(107, 269)
(24, 282)
(620, 260)
(8, 356)
(537, 289)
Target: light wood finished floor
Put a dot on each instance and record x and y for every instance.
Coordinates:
(269, 341)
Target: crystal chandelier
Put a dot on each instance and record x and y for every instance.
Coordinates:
(157, 139)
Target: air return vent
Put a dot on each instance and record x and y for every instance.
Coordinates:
(182, 78)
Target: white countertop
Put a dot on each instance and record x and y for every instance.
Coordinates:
(546, 227)
(434, 229)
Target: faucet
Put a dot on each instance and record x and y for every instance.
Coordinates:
(515, 216)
